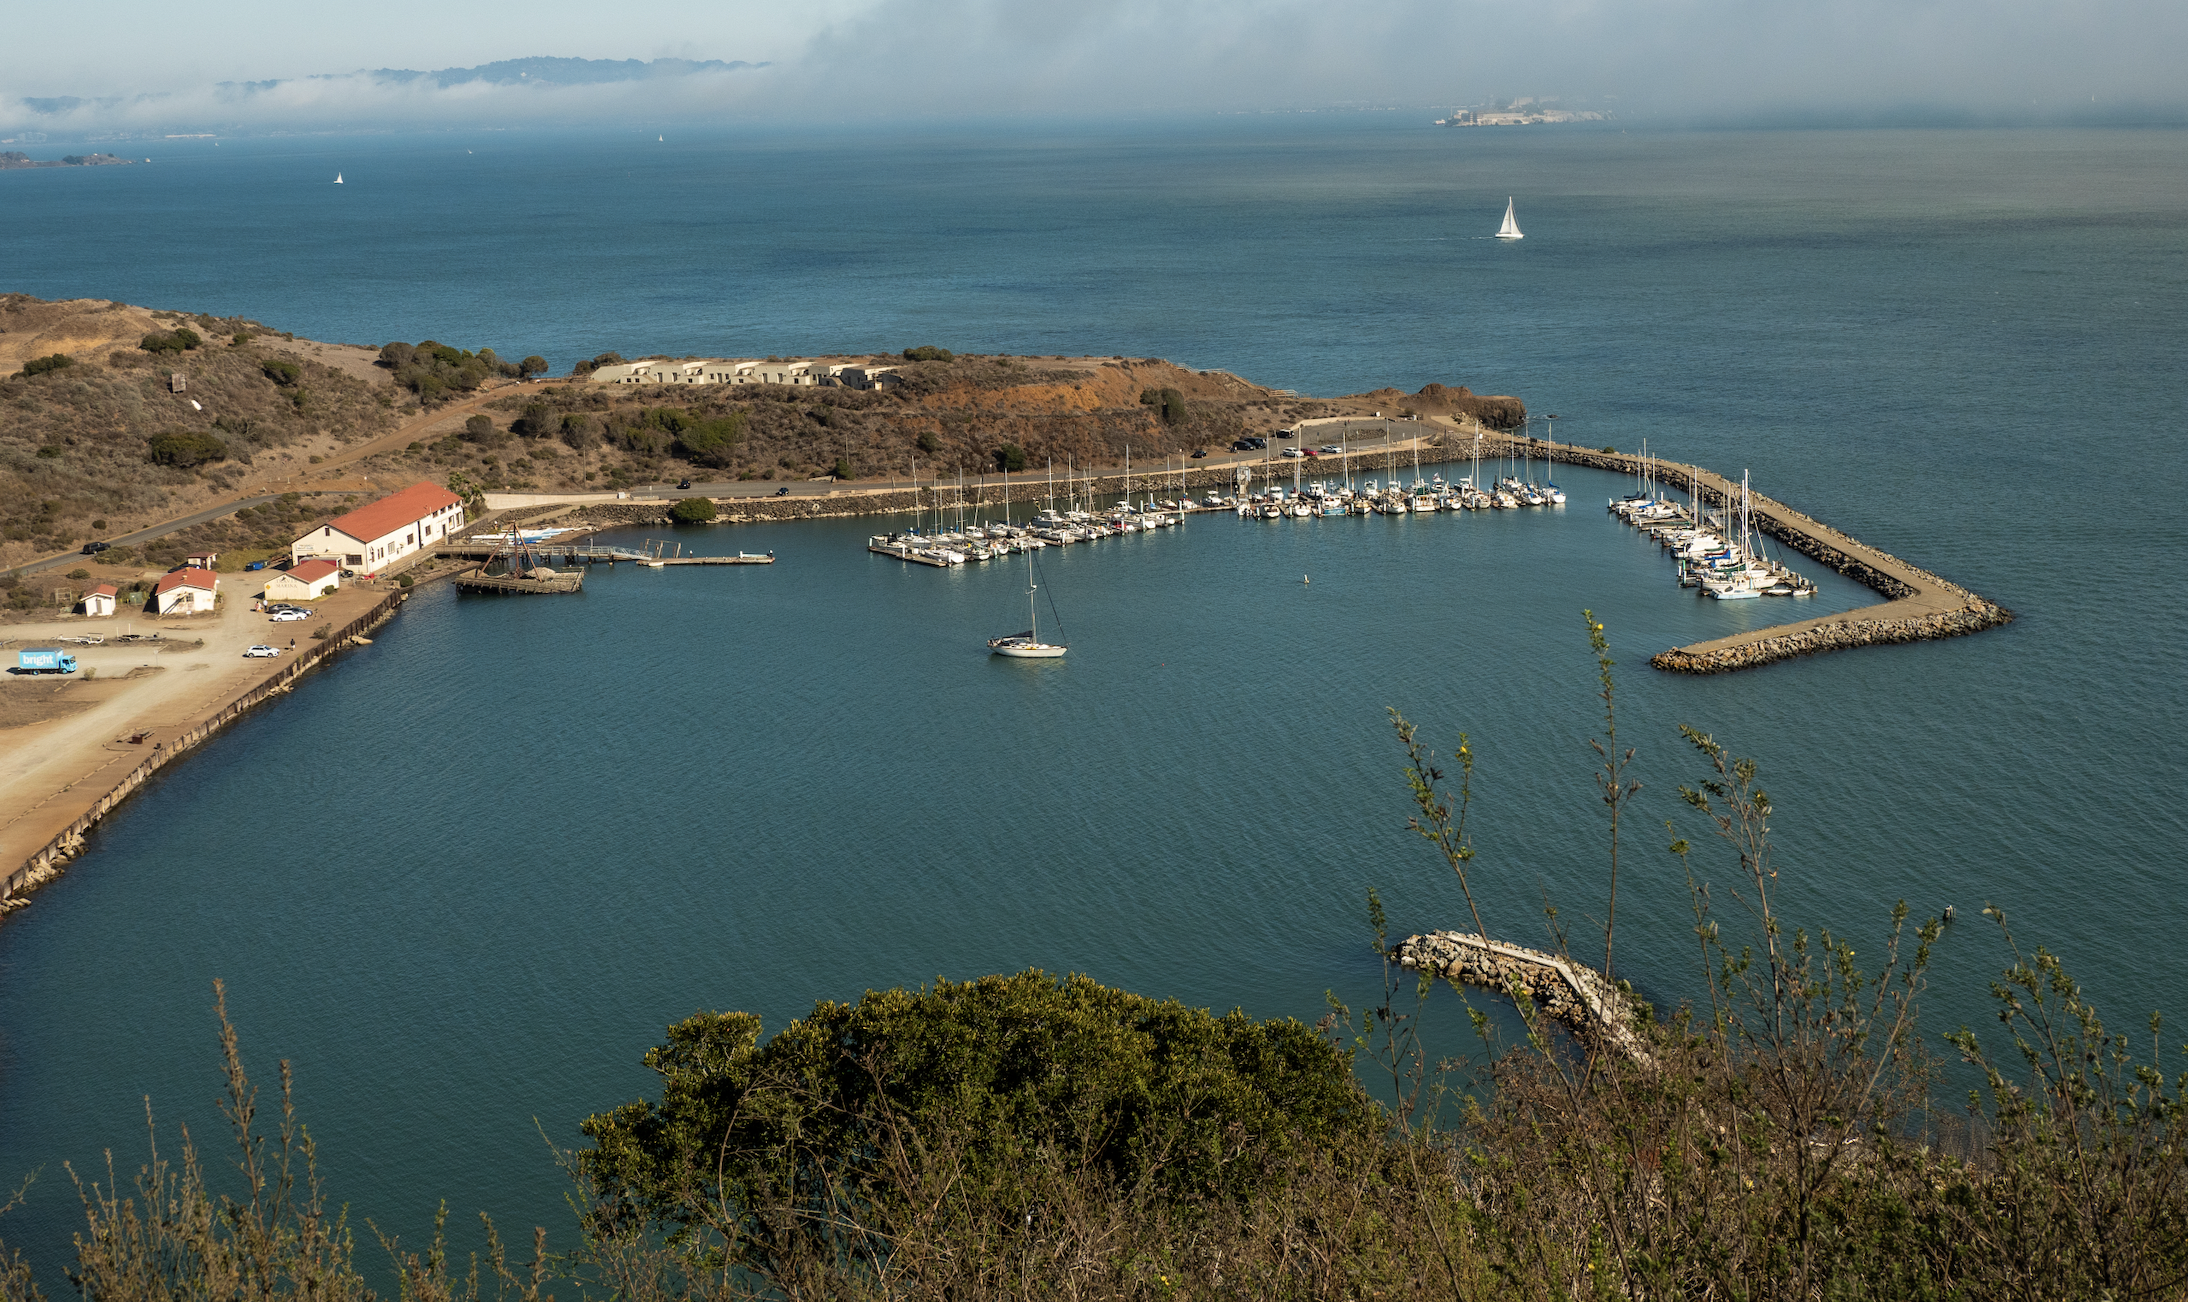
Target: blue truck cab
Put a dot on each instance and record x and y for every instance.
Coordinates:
(45, 660)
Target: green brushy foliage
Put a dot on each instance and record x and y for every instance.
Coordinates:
(44, 365)
(173, 341)
(184, 448)
(693, 510)
(1147, 1092)
(929, 353)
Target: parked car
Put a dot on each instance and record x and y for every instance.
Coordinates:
(256, 565)
(1198, 453)
(94, 548)
(684, 485)
(1293, 452)
(1285, 433)
(1257, 442)
(290, 616)
(261, 652)
(783, 491)
(1330, 450)
(1309, 452)
(349, 574)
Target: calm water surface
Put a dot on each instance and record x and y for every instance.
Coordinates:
(464, 878)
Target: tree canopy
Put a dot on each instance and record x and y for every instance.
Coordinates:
(692, 510)
(41, 365)
(173, 341)
(1140, 1088)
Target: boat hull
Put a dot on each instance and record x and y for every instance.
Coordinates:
(1037, 651)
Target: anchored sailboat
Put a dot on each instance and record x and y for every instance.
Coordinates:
(1027, 645)
(1510, 229)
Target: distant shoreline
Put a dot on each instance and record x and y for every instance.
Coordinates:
(17, 160)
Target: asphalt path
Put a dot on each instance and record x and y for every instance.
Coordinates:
(159, 530)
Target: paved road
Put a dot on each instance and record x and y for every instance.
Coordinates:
(1264, 463)
(321, 479)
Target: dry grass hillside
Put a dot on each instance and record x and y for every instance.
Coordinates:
(78, 457)
(104, 443)
(966, 414)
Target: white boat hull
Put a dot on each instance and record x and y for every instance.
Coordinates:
(1035, 651)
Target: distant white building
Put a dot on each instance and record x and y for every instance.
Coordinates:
(306, 582)
(797, 372)
(184, 592)
(398, 525)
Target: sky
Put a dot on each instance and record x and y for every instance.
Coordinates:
(845, 60)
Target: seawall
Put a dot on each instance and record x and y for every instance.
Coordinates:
(51, 859)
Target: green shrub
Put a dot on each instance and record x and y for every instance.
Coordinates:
(1170, 401)
(79, 574)
(41, 365)
(842, 469)
(712, 443)
(692, 510)
(928, 442)
(929, 353)
(1010, 457)
(1143, 1090)
(174, 341)
(185, 448)
(1608, 448)
(533, 365)
(281, 370)
(406, 581)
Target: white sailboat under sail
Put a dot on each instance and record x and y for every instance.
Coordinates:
(1510, 229)
(337, 178)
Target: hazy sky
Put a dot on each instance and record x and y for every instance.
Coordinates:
(847, 59)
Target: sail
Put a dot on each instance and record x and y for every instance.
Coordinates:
(1510, 229)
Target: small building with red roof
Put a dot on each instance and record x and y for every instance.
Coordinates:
(307, 581)
(100, 600)
(184, 592)
(399, 525)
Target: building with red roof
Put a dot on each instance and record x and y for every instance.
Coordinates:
(305, 581)
(100, 600)
(399, 525)
(184, 592)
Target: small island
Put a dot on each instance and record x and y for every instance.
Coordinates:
(11, 158)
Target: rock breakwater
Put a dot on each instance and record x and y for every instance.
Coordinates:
(1576, 996)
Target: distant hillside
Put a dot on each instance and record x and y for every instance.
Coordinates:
(545, 71)
(97, 440)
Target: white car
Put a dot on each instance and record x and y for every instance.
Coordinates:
(290, 616)
(1293, 452)
(261, 652)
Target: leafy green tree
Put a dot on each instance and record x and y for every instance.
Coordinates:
(172, 341)
(842, 469)
(692, 510)
(1010, 457)
(184, 449)
(43, 365)
(578, 433)
(1144, 1090)
(533, 365)
(712, 443)
(536, 421)
(1170, 401)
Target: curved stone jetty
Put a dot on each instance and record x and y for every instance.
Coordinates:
(1918, 605)
(1577, 996)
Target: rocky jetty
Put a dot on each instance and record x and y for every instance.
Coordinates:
(1577, 996)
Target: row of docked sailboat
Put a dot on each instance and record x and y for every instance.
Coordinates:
(1705, 553)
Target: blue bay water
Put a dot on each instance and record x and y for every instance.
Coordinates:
(561, 825)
